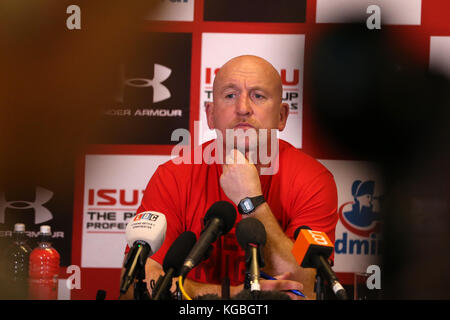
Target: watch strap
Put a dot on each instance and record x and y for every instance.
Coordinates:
(256, 201)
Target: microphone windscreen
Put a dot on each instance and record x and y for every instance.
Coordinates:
(250, 230)
(297, 231)
(178, 251)
(224, 211)
(101, 295)
(310, 244)
(148, 226)
(208, 296)
(261, 295)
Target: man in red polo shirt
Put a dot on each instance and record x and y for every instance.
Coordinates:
(297, 191)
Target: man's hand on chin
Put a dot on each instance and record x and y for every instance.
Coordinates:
(239, 178)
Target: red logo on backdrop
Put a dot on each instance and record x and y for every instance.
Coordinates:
(208, 75)
(112, 197)
(291, 78)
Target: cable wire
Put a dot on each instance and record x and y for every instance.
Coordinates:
(180, 283)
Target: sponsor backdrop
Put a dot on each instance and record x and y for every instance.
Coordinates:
(164, 85)
(152, 91)
(358, 237)
(110, 200)
(218, 48)
(44, 203)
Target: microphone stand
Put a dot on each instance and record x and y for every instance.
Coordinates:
(226, 282)
(319, 287)
(162, 287)
(140, 287)
(325, 273)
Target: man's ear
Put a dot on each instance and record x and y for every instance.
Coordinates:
(209, 108)
(284, 113)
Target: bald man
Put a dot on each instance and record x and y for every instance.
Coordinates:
(247, 96)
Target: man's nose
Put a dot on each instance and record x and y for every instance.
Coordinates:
(243, 106)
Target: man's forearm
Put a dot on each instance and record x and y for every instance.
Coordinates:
(278, 251)
(197, 289)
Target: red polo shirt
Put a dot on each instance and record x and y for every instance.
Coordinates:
(302, 192)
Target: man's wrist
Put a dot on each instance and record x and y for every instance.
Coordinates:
(248, 205)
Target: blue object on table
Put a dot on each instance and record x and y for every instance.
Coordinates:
(267, 277)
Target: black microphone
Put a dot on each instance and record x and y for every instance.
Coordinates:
(101, 295)
(145, 235)
(251, 236)
(312, 250)
(173, 261)
(297, 231)
(218, 220)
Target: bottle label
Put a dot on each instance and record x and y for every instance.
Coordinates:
(43, 274)
(43, 289)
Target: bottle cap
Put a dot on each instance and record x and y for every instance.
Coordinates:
(19, 227)
(45, 230)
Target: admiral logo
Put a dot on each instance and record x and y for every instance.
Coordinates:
(358, 216)
(41, 214)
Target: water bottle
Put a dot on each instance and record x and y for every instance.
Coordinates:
(44, 268)
(17, 256)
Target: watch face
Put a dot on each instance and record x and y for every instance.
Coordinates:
(247, 205)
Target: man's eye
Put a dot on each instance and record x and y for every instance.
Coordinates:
(258, 96)
(230, 96)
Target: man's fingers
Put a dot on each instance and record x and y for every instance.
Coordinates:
(235, 157)
(240, 158)
(281, 285)
(284, 276)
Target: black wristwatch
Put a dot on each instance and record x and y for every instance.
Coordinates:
(248, 205)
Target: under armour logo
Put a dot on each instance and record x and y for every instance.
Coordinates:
(160, 92)
(41, 214)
